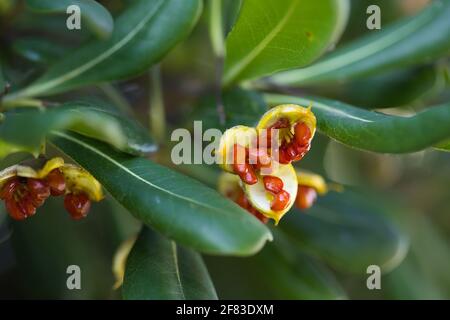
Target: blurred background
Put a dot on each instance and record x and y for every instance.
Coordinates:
(411, 191)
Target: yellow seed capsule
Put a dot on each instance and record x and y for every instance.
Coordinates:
(79, 180)
(293, 113)
(242, 135)
(309, 179)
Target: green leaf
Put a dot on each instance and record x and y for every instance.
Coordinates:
(96, 17)
(158, 269)
(395, 88)
(348, 231)
(84, 118)
(37, 50)
(142, 35)
(375, 131)
(272, 36)
(443, 146)
(418, 39)
(181, 208)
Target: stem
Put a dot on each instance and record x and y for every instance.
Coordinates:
(156, 112)
(216, 28)
(218, 45)
(218, 92)
(33, 103)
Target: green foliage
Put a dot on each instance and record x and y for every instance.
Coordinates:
(113, 128)
(158, 268)
(177, 206)
(314, 254)
(273, 36)
(372, 130)
(96, 17)
(349, 232)
(141, 36)
(420, 38)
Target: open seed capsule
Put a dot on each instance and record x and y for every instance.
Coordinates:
(295, 126)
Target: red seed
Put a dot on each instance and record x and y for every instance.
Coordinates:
(38, 187)
(246, 173)
(27, 204)
(302, 133)
(56, 182)
(283, 157)
(306, 196)
(9, 188)
(14, 210)
(280, 201)
(77, 205)
(273, 184)
(291, 151)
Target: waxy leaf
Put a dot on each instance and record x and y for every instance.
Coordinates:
(39, 50)
(418, 39)
(96, 17)
(375, 131)
(27, 129)
(277, 35)
(349, 232)
(141, 37)
(181, 208)
(159, 269)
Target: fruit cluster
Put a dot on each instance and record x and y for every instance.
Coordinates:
(24, 190)
(262, 160)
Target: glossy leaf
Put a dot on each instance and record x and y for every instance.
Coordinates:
(412, 86)
(39, 50)
(141, 37)
(159, 269)
(349, 232)
(372, 130)
(444, 146)
(97, 18)
(418, 39)
(271, 36)
(117, 130)
(181, 208)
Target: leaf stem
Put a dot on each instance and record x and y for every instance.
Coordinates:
(11, 104)
(216, 28)
(156, 112)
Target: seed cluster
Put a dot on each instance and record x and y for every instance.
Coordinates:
(23, 196)
(297, 146)
(293, 148)
(243, 168)
(280, 197)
